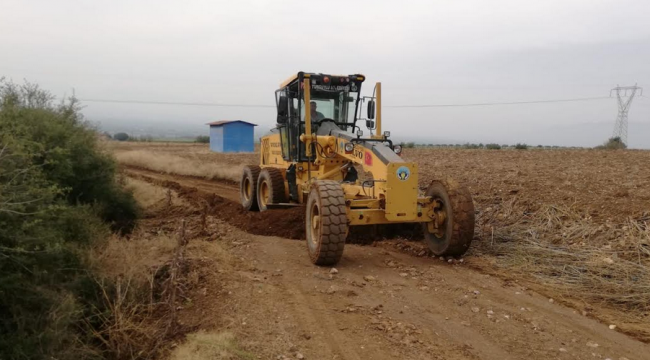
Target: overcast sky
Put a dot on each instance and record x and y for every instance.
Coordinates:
(423, 52)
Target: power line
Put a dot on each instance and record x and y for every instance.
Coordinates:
(174, 103)
(144, 102)
(500, 103)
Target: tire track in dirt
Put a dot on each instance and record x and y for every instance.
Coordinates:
(386, 305)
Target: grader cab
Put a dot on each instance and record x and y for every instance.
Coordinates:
(311, 160)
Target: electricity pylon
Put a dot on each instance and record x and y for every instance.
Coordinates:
(624, 94)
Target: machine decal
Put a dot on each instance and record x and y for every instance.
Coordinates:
(331, 87)
(403, 173)
(367, 158)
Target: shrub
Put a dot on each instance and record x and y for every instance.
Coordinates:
(203, 139)
(613, 143)
(520, 146)
(493, 146)
(121, 136)
(58, 195)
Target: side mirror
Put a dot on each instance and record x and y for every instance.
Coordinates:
(283, 109)
(371, 109)
(370, 124)
(283, 105)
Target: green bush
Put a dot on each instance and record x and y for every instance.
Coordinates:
(203, 139)
(493, 146)
(121, 136)
(471, 146)
(613, 143)
(58, 196)
(521, 146)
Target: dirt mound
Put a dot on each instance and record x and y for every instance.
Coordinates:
(288, 223)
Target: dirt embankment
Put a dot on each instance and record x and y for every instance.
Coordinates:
(288, 223)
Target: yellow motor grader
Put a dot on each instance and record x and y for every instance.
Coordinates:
(318, 157)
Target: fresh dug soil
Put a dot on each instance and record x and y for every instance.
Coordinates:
(287, 223)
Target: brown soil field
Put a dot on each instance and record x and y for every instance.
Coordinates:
(563, 233)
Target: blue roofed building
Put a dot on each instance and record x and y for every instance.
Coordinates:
(232, 136)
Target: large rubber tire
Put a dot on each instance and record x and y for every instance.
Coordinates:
(458, 227)
(248, 187)
(270, 188)
(326, 222)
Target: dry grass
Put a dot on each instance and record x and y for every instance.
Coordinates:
(138, 278)
(172, 164)
(605, 265)
(130, 272)
(152, 197)
(208, 346)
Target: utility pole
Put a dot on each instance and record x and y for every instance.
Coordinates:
(624, 94)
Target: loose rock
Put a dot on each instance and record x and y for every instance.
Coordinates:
(334, 271)
(369, 278)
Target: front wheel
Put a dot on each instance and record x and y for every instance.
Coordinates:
(452, 230)
(248, 187)
(326, 222)
(270, 188)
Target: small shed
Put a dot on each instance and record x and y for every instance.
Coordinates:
(232, 136)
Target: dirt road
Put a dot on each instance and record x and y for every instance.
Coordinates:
(377, 304)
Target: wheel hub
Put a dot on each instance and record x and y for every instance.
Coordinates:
(247, 189)
(264, 193)
(438, 217)
(315, 224)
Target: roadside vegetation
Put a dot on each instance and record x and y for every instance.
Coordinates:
(173, 164)
(59, 199)
(614, 143)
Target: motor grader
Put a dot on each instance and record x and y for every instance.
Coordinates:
(319, 158)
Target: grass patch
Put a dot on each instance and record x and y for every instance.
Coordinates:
(208, 346)
(171, 164)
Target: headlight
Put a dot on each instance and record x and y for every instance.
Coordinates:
(349, 147)
(397, 149)
(386, 134)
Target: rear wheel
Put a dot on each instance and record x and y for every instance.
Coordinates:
(326, 223)
(248, 187)
(452, 230)
(270, 188)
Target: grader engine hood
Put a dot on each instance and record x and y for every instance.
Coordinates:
(395, 178)
(401, 192)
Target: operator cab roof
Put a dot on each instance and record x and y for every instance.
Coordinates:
(322, 78)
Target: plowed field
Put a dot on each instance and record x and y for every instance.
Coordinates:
(561, 253)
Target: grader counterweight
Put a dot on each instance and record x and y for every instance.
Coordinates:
(311, 158)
